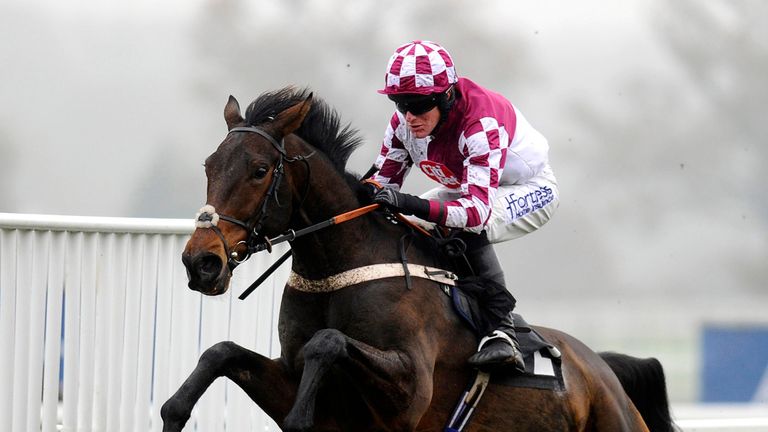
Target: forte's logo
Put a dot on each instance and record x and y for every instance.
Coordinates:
(439, 173)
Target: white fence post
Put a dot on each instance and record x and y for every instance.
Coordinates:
(7, 325)
(53, 328)
(108, 298)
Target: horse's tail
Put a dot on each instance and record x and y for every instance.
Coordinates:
(644, 382)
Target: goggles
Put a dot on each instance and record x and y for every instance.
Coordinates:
(415, 104)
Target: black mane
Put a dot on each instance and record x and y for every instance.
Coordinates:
(321, 127)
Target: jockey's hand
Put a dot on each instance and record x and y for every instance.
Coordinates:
(403, 203)
(370, 190)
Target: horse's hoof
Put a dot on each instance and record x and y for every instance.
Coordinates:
(172, 427)
(294, 424)
(174, 416)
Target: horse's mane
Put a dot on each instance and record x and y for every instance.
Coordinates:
(321, 127)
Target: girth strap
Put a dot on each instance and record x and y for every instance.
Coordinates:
(369, 273)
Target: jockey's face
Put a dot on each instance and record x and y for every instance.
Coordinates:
(422, 125)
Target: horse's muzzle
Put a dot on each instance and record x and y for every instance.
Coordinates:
(205, 273)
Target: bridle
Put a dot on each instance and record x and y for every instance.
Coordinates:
(254, 242)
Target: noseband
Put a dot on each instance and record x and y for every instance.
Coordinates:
(254, 242)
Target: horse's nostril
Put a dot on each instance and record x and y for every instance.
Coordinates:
(209, 264)
(207, 267)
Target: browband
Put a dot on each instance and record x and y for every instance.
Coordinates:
(278, 145)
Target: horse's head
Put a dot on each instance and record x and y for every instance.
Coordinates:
(248, 197)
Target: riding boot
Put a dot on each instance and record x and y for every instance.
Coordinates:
(501, 345)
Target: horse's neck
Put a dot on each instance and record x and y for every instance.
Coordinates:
(362, 241)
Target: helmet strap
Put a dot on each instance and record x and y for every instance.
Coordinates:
(444, 105)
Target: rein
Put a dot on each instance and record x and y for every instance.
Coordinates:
(209, 215)
(291, 235)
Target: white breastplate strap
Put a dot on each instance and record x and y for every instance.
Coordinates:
(369, 273)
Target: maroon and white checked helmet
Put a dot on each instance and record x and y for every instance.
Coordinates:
(419, 67)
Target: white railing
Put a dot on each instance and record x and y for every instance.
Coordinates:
(98, 328)
(722, 417)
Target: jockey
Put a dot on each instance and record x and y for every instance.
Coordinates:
(492, 166)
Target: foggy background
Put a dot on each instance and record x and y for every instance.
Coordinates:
(655, 112)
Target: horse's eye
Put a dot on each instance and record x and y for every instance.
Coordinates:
(260, 173)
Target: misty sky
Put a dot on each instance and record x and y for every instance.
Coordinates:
(654, 112)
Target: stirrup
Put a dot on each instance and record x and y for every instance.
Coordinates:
(497, 334)
(515, 357)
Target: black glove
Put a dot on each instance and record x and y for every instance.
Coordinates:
(403, 202)
(370, 190)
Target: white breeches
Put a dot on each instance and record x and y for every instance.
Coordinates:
(518, 209)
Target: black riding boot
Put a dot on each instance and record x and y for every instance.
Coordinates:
(501, 345)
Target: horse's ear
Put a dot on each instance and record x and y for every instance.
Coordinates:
(290, 120)
(232, 113)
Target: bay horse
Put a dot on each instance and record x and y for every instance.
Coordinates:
(380, 355)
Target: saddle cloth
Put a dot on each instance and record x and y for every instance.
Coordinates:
(543, 365)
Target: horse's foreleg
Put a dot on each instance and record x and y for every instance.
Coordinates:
(263, 379)
(388, 378)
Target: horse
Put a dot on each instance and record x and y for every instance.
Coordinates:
(375, 354)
